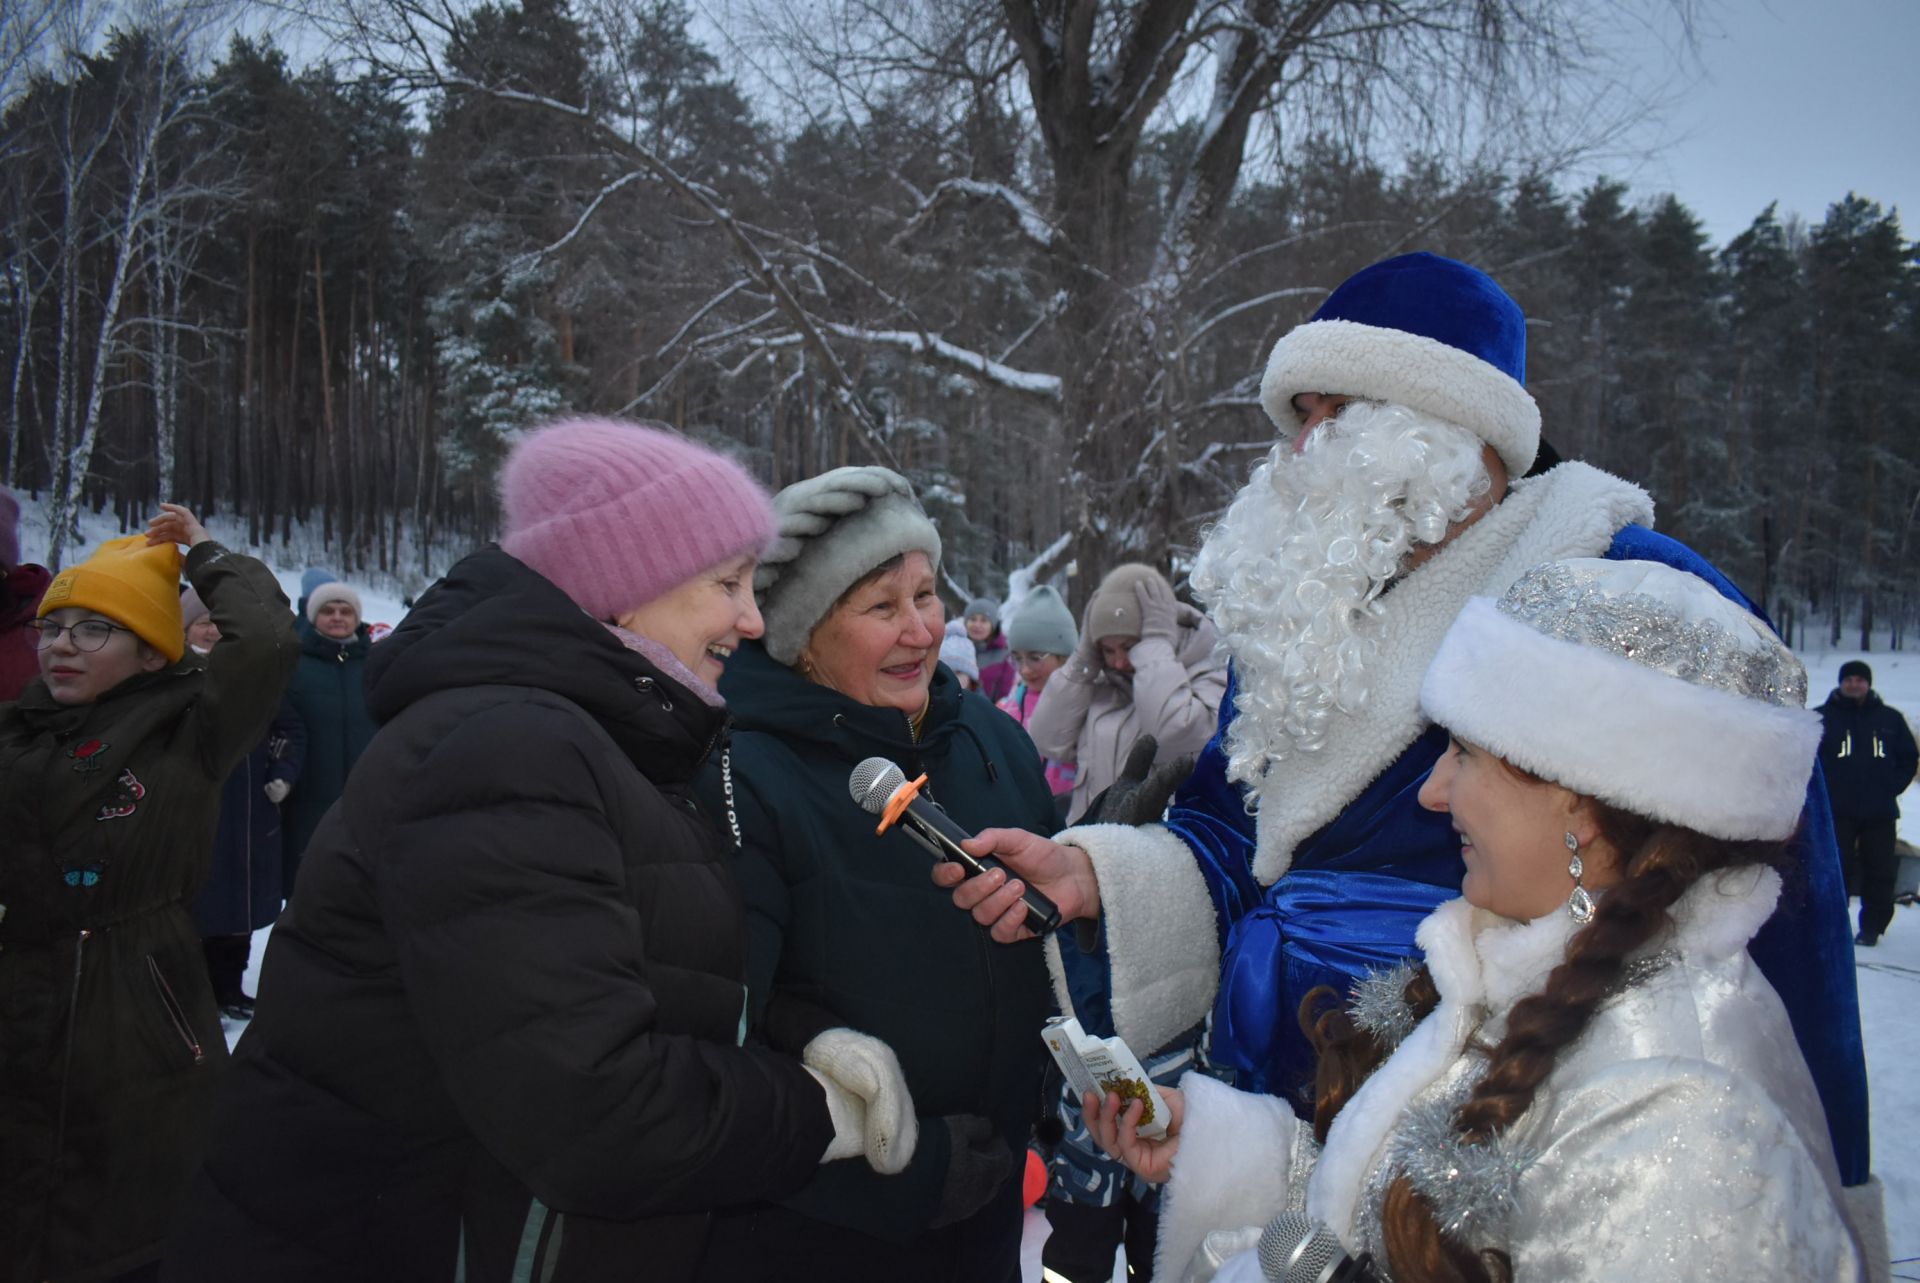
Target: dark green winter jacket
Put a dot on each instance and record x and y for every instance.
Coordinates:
(851, 922)
(329, 692)
(109, 1037)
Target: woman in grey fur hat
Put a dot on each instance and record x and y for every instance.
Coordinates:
(845, 928)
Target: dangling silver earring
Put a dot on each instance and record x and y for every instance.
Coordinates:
(1579, 904)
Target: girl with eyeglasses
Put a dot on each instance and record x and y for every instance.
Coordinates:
(111, 764)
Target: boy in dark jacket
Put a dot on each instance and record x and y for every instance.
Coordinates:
(110, 770)
(1869, 757)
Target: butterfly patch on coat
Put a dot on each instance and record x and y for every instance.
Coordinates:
(84, 875)
(127, 793)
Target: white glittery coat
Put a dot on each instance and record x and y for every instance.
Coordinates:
(1680, 1137)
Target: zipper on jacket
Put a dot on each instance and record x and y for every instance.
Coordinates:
(175, 1012)
(66, 1068)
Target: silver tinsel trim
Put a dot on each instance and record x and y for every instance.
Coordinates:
(1473, 1188)
(1378, 1004)
(1568, 604)
(1637, 971)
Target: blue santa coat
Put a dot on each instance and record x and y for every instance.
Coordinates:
(1359, 887)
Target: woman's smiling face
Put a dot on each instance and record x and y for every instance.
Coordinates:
(703, 620)
(1513, 831)
(880, 643)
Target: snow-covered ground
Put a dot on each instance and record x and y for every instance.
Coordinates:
(1889, 974)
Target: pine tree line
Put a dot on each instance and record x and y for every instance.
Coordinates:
(307, 296)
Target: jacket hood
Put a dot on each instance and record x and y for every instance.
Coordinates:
(766, 695)
(494, 621)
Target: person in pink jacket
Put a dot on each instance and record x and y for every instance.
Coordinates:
(1040, 636)
(1146, 664)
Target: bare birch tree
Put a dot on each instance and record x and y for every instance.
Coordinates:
(102, 131)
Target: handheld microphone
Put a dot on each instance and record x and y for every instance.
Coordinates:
(1295, 1248)
(882, 788)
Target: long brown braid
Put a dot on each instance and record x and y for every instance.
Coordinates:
(1664, 861)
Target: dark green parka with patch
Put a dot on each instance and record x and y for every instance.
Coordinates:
(109, 1037)
(851, 923)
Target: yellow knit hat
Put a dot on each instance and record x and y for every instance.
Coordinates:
(132, 582)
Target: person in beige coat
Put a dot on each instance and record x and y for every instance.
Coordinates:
(1147, 664)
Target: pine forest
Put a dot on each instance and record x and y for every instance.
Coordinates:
(318, 271)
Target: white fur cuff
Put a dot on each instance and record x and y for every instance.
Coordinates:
(1231, 1170)
(1163, 945)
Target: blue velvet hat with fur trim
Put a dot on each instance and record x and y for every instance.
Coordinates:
(1422, 331)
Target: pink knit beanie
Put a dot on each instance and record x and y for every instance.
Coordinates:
(617, 513)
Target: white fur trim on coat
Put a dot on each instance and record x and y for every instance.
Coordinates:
(1361, 1128)
(1233, 1168)
(1153, 897)
(1480, 963)
(1608, 727)
(1572, 511)
(1350, 359)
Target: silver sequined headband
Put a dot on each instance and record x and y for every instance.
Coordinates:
(1559, 601)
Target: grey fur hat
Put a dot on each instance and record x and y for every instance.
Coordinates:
(1043, 623)
(834, 529)
(983, 606)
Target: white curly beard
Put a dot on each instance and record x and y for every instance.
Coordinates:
(1292, 575)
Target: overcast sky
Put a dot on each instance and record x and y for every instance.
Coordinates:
(1798, 101)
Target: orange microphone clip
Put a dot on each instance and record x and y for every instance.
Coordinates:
(897, 804)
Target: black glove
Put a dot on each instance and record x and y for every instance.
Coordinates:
(1141, 793)
(978, 1164)
(790, 1023)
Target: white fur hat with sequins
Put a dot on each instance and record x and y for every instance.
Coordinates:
(1639, 685)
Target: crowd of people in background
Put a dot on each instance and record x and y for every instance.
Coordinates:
(584, 961)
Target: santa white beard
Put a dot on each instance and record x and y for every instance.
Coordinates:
(1292, 575)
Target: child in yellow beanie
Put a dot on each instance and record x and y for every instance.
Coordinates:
(111, 766)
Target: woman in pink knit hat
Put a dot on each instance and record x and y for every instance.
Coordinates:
(503, 1019)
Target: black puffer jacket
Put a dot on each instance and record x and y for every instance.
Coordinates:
(1868, 754)
(513, 971)
(851, 923)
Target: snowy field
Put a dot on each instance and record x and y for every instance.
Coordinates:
(1889, 974)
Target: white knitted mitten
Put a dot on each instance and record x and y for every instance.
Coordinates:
(864, 1072)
